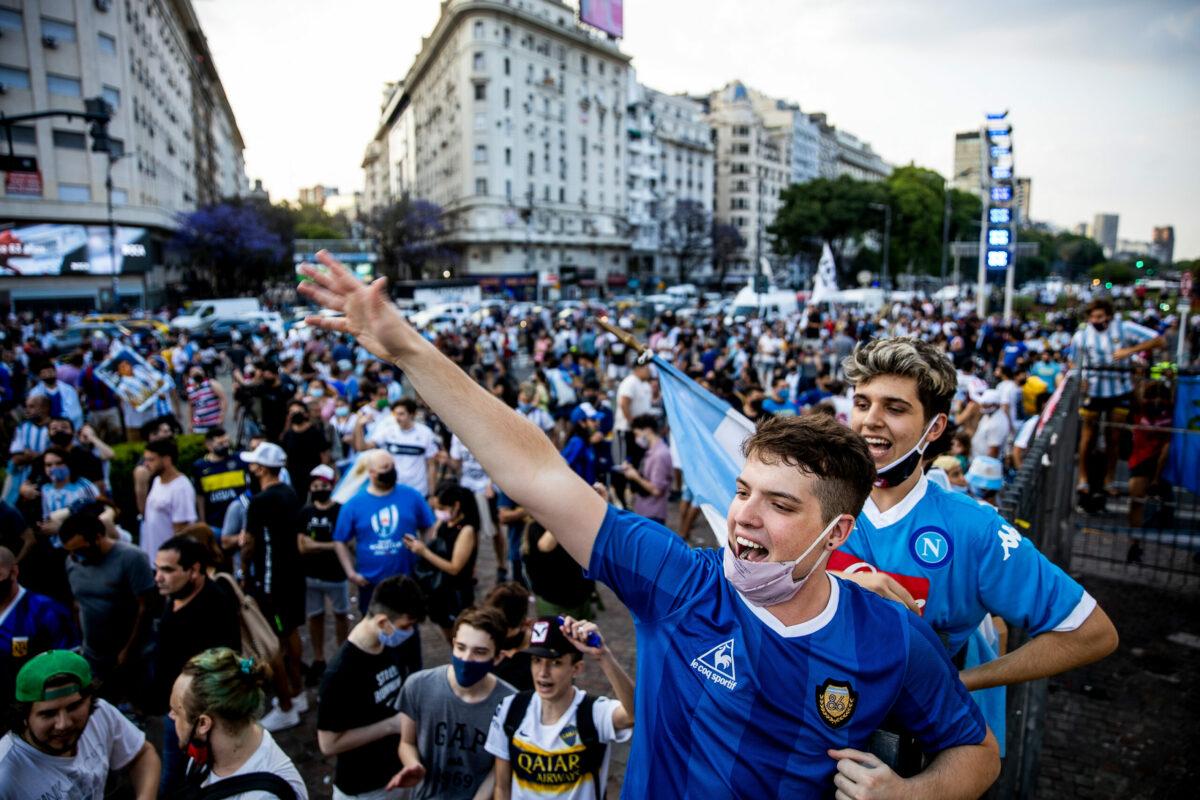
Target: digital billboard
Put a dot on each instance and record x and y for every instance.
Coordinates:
(607, 15)
(57, 249)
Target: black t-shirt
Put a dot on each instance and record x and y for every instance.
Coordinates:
(85, 464)
(517, 670)
(209, 620)
(304, 449)
(318, 525)
(360, 689)
(273, 519)
(220, 482)
(555, 576)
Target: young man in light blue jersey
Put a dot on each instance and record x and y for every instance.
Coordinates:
(759, 675)
(946, 556)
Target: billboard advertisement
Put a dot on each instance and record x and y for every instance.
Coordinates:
(607, 15)
(58, 249)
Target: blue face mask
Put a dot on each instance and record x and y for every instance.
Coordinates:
(60, 474)
(469, 673)
(956, 488)
(397, 637)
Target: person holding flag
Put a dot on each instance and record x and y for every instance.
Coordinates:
(759, 675)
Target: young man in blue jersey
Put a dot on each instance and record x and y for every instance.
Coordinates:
(759, 676)
(948, 557)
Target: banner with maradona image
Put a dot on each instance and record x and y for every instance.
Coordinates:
(132, 379)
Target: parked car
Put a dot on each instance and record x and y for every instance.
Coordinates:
(76, 336)
(220, 331)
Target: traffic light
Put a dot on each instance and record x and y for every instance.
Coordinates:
(99, 113)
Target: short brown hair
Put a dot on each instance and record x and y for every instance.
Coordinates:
(512, 599)
(484, 618)
(907, 357)
(1101, 304)
(820, 446)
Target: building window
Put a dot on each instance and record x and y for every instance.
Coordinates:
(481, 91)
(70, 140)
(67, 87)
(116, 147)
(24, 134)
(120, 197)
(59, 31)
(106, 44)
(507, 66)
(14, 78)
(112, 95)
(477, 62)
(74, 193)
(481, 186)
(481, 154)
(507, 97)
(11, 20)
(508, 156)
(508, 190)
(583, 64)
(479, 29)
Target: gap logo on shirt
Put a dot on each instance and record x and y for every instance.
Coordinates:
(717, 665)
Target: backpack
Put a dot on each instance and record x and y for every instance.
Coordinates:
(238, 784)
(259, 640)
(585, 724)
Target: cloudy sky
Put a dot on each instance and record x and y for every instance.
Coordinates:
(1103, 95)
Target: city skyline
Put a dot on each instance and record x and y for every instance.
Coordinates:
(1082, 81)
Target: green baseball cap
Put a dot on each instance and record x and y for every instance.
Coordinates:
(31, 680)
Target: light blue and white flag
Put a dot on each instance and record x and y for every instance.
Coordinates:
(353, 479)
(708, 436)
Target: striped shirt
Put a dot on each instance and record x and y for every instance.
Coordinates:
(1093, 348)
(206, 406)
(55, 498)
(30, 437)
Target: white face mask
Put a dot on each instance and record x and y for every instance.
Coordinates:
(769, 583)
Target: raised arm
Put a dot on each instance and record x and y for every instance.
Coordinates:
(504, 442)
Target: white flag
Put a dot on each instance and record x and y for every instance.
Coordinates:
(825, 284)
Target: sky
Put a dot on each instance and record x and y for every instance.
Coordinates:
(1103, 95)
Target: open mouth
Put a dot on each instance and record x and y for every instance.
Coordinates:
(545, 687)
(749, 550)
(878, 446)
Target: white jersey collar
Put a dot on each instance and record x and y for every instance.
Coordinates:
(882, 519)
(802, 628)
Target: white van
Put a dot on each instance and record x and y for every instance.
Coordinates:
(201, 310)
(775, 303)
(457, 312)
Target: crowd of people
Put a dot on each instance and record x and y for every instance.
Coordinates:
(350, 476)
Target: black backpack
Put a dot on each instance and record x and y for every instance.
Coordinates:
(229, 787)
(585, 724)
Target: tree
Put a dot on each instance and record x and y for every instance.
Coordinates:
(1120, 273)
(727, 242)
(314, 222)
(410, 237)
(230, 246)
(686, 235)
(918, 203)
(835, 211)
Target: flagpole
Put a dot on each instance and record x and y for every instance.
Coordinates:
(626, 338)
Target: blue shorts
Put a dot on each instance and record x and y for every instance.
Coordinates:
(317, 590)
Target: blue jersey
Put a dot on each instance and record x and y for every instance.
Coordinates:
(971, 562)
(732, 703)
(378, 526)
(32, 624)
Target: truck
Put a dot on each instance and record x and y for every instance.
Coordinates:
(200, 311)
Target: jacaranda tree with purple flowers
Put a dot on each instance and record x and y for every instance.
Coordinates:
(231, 247)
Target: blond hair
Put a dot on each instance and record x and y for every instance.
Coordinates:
(907, 357)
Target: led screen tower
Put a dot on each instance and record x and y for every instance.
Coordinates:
(998, 223)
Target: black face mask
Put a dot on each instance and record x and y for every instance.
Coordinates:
(386, 479)
(61, 438)
(6, 586)
(299, 419)
(222, 451)
(322, 495)
(1101, 328)
(899, 471)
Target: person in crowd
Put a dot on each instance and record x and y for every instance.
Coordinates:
(30, 440)
(102, 406)
(652, 480)
(377, 520)
(67, 740)
(358, 708)
(64, 399)
(113, 585)
(171, 501)
(955, 475)
(64, 488)
(558, 725)
(269, 394)
(446, 566)
(206, 401)
(198, 615)
(324, 578)
(985, 479)
(1153, 409)
(218, 477)
(780, 533)
(87, 455)
(584, 432)
(1102, 349)
(155, 430)
(304, 443)
(446, 712)
(528, 407)
(30, 624)
(635, 397)
(472, 478)
(514, 601)
(214, 704)
(994, 429)
(275, 577)
(412, 445)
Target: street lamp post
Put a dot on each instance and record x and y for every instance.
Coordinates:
(885, 280)
(946, 223)
(112, 232)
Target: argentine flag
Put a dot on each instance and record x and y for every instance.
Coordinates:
(708, 436)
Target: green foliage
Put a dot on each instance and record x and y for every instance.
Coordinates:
(1119, 273)
(917, 202)
(125, 458)
(822, 210)
(314, 222)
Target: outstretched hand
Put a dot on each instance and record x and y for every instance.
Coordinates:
(369, 315)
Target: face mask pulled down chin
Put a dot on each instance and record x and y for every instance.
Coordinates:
(899, 470)
(769, 583)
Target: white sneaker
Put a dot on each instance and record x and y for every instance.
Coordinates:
(300, 703)
(279, 720)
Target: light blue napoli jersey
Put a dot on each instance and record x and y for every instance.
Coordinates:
(733, 704)
(971, 561)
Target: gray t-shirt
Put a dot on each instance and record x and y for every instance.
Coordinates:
(109, 742)
(107, 594)
(451, 734)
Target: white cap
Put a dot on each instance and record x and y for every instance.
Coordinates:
(267, 455)
(986, 473)
(990, 398)
(324, 472)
